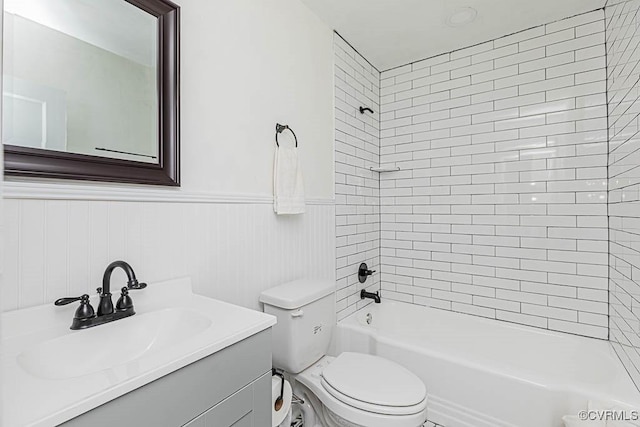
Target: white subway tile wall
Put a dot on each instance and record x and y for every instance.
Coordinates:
(56, 248)
(500, 207)
(357, 147)
(623, 58)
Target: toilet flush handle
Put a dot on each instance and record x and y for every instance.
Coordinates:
(298, 313)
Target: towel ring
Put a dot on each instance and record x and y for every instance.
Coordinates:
(281, 128)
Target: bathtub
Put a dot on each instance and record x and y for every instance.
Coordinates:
(481, 372)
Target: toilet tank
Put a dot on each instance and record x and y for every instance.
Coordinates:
(306, 315)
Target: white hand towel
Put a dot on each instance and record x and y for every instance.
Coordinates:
(288, 186)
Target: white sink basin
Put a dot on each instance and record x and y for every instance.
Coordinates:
(107, 346)
(70, 372)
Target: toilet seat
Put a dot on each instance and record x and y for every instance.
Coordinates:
(356, 378)
(376, 409)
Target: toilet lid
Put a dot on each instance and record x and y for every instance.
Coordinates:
(374, 380)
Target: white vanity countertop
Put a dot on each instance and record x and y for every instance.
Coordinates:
(37, 400)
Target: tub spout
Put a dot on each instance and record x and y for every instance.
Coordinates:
(373, 295)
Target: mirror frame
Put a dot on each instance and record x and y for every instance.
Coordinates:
(41, 163)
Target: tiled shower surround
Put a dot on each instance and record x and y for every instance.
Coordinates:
(357, 187)
(623, 58)
(500, 206)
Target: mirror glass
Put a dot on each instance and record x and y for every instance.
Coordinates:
(81, 76)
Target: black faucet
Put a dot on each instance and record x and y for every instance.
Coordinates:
(373, 295)
(106, 305)
(85, 317)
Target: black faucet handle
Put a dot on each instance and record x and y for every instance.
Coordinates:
(124, 302)
(85, 311)
(68, 300)
(364, 272)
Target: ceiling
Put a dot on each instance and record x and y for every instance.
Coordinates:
(390, 33)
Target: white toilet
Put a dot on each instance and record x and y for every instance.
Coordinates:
(352, 389)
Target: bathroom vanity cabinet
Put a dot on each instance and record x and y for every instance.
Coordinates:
(230, 388)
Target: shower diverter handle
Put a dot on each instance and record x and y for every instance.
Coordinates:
(298, 313)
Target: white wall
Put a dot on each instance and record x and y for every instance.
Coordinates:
(245, 66)
(357, 187)
(500, 209)
(623, 41)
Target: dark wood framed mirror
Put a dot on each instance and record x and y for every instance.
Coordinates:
(157, 164)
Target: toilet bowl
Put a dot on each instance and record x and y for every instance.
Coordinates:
(390, 396)
(349, 390)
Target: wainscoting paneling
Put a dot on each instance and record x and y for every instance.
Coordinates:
(56, 248)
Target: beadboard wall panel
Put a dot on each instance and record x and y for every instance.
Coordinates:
(623, 60)
(500, 207)
(357, 146)
(55, 248)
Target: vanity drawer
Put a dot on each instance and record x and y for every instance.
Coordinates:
(242, 409)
